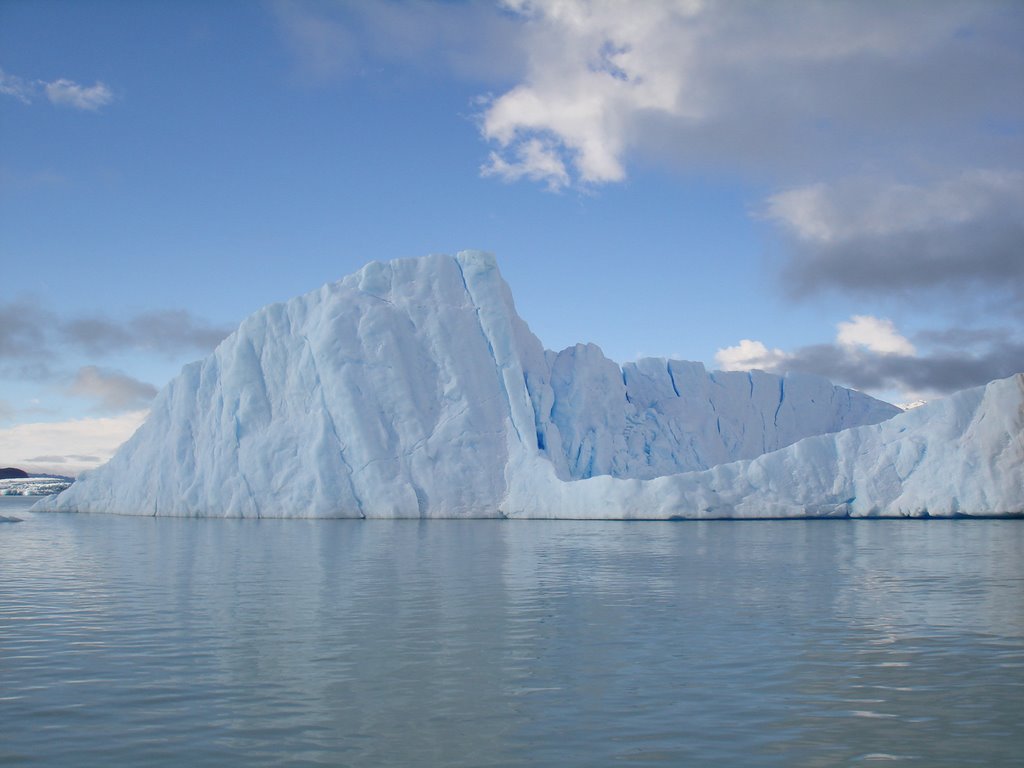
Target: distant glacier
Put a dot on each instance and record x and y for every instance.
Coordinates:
(33, 486)
(412, 388)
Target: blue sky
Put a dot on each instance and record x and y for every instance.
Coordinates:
(826, 187)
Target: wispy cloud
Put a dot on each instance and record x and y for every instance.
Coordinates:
(167, 332)
(60, 92)
(29, 332)
(34, 341)
(112, 391)
(16, 87)
(324, 47)
(335, 41)
(70, 94)
(23, 330)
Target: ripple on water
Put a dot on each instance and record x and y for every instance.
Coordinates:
(505, 643)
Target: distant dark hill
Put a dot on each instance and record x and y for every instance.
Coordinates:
(11, 473)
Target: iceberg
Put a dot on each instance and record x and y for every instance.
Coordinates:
(412, 388)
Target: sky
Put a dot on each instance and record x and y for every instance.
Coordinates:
(826, 187)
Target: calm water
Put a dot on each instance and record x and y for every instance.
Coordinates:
(129, 641)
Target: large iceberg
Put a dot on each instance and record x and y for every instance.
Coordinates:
(413, 389)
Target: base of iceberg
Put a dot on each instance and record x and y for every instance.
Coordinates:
(413, 389)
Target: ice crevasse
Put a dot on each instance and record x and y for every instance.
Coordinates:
(412, 388)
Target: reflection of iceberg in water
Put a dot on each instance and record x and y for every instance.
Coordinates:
(510, 643)
(935, 587)
(922, 614)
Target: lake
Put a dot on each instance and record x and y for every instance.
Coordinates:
(130, 641)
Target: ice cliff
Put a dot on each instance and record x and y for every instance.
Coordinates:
(959, 456)
(412, 388)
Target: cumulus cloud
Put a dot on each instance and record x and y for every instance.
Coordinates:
(874, 334)
(593, 67)
(792, 87)
(60, 92)
(67, 447)
(113, 391)
(749, 355)
(886, 236)
(870, 354)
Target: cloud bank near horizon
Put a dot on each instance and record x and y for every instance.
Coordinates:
(67, 447)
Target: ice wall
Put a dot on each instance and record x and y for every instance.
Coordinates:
(658, 417)
(959, 456)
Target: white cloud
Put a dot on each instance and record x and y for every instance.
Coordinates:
(62, 92)
(68, 447)
(749, 355)
(592, 67)
(534, 160)
(854, 337)
(787, 86)
(69, 93)
(870, 354)
(875, 335)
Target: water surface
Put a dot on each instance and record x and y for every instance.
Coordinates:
(127, 641)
